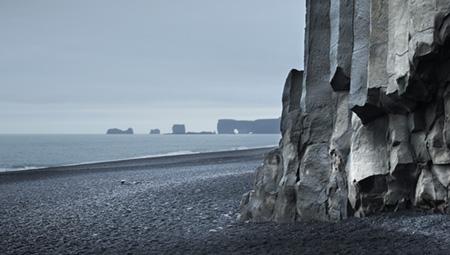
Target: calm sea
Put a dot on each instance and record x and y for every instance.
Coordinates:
(19, 152)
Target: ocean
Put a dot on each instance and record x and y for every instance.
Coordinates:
(21, 152)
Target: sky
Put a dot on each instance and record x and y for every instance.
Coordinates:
(88, 65)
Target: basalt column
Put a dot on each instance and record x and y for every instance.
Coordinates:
(366, 127)
(341, 47)
(274, 195)
(318, 110)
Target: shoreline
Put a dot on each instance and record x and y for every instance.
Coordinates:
(147, 162)
(185, 208)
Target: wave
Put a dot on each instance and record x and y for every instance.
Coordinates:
(21, 168)
(175, 153)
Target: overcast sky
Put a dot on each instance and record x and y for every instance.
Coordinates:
(82, 66)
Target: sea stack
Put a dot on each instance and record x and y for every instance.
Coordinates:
(179, 129)
(365, 129)
(116, 131)
(155, 132)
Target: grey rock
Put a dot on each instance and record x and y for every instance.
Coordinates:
(259, 203)
(430, 194)
(291, 128)
(266, 126)
(370, 197)
(446, 128)
(398, 129)
(260, 126)
(311, 190)
(397, 62)
(378, 45)
(439, 152)
(178, 129)
(368, 129)
(341, 43)
(401, 157)
(116, 131)
(273, 197)
(317, 68)
(419, 145)
(442, 173)
(155, 132)
(291, 97)
(337, 189)
(364, 99)
(417, 121)
(369, 153)
(201, 133)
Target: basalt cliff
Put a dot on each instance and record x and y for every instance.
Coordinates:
(366, 127)
(260, 126)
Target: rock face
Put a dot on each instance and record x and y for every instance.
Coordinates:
(116, 131)
(261, 126)
(155, 132)
(178, 129)
(366, 127)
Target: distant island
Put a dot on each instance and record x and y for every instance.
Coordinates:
(224, 126)
(179, 129)
(201, 133)
(260, 126)
(155, 132)
(116, 131)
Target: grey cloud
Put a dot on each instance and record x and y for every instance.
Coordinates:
(147, 55)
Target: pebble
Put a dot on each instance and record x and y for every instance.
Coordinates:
(79, 211)
(226, 215)
(86, 208)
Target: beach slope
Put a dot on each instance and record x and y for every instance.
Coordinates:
(181, 205)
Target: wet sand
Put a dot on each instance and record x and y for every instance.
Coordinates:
(182, 205)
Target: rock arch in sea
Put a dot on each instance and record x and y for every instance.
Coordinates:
(366, 126)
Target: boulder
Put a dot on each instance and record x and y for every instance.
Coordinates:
(259, 203)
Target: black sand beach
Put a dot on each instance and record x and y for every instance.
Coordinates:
(182, 205)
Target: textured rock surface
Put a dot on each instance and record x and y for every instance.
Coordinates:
(366, 127)
(274, 195)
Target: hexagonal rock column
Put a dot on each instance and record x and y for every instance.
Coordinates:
(318, 108)
(274, 195)
(366, 128)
